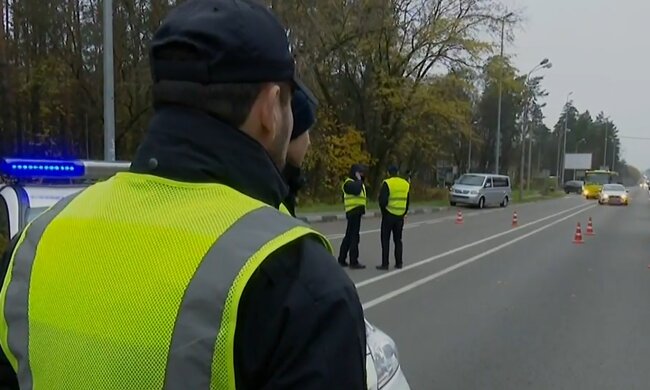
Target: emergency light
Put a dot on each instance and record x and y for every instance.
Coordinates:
(20, 168)
(32, 168)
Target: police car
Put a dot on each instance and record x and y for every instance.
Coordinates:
(382, 363)
(29, 187)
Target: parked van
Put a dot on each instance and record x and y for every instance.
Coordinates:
(481, 190)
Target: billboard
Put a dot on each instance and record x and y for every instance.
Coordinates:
(577, 161)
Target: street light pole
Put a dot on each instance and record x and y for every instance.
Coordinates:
(109, 88)
(544, 64)
(469, 155)
(605, 156)
(566, 123)
(559, 155)
(498, 140)
(530, 161)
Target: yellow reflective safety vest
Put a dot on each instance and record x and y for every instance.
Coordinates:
(353, 201)
(398, 194)
(135, 284)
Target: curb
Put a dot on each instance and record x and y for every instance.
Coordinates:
(320, 218)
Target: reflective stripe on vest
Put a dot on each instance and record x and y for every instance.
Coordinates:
(398, 195)
(353, 201)
(194, 351)
(15, 295)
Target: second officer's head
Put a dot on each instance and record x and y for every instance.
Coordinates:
(232, 59)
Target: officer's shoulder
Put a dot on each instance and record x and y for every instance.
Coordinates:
(310, 267)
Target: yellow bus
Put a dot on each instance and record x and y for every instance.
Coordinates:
(594, 181)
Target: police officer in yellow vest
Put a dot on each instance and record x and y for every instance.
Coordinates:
(183, 274)
(394, 204)
(354, 201)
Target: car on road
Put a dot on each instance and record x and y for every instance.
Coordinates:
(615, 194)
(29, 187)
(481, 190)
(574, 187)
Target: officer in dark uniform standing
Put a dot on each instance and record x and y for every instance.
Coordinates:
(304, 117)
(394, 204)
(355, 200)
(217, 288)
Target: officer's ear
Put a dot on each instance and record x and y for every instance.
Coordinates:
(269, 113)
(270, 118)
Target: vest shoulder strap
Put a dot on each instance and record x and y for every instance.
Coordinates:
(201, 341)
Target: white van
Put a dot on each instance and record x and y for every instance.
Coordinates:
(481, 190)
(29, 187)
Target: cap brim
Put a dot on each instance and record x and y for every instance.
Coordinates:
(298, 84)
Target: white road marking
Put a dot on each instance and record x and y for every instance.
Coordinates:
(447, 270)
(461, 248)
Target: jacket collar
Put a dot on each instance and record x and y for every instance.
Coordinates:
(188, 145)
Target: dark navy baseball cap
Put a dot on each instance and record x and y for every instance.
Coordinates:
(304, 114)
(236, 41)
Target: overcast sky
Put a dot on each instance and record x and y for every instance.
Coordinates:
(600, 50)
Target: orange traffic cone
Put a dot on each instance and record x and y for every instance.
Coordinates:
(590, 228)
(459, 218)
(577, 238)
(515, 220)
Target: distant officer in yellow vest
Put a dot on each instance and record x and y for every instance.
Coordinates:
(354, 201)
(183, 273)
(394, 204)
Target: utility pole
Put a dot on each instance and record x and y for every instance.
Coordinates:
(109, 87)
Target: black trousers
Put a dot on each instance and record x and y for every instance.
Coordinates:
(391, 224)
(350, 242)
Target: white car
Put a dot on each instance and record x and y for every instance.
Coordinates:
(382, 362)
(29, 187)
(614, 194)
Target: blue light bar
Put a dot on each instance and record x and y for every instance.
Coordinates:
(35, 169)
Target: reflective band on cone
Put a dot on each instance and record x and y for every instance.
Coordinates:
(577, 238)
(590, 228)
(459, 218)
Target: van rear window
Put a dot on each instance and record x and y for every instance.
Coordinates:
(500, 181)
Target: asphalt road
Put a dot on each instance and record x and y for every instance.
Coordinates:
(485, 306)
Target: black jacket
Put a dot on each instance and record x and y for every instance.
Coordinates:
(354, 187)
(300, 322)
(295, 181)
(384, 195)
